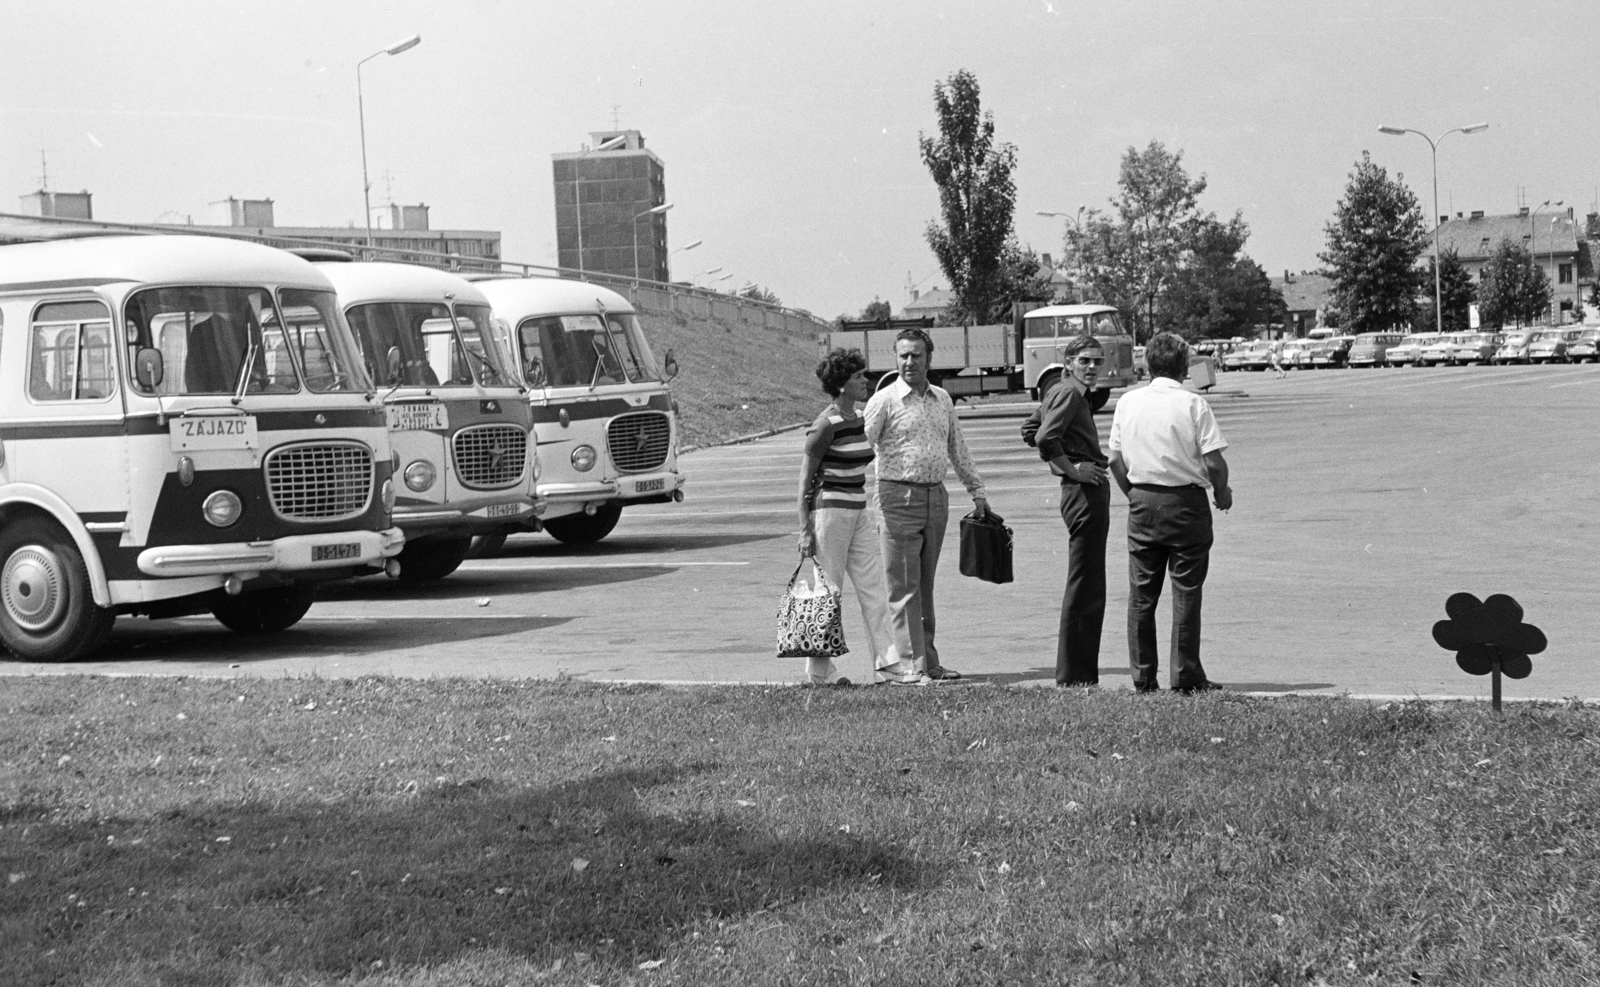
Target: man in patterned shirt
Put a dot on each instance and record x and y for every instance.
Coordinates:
(913, 429)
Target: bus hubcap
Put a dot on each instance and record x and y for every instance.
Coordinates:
(32, 588)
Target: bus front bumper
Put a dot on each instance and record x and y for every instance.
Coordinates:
(294, 553)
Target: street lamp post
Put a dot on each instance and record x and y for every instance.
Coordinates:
(658, 210)
(1077, 251)
(702, 274)
(688, 246)
(577, 185)
(1433, 146)
(361, 116)
(1555, 281)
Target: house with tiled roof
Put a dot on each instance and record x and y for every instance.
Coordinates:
(1305, 301)
(1551, 237)
(930, 303)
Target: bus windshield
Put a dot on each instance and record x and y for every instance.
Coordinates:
(475, 324)
(206, 336)
(321, 340)
(577, 350)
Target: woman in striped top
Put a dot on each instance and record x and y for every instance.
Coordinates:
(837, 524)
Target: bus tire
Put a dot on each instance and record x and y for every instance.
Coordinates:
(47, 608)
(432, 558)
(1098, 399)
(487, 546)
(264, 611)
(585, 529)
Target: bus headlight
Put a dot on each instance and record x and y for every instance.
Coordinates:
(222, 508)
(583, 459)
(420, 475)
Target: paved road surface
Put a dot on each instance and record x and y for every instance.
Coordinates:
(1363, 499)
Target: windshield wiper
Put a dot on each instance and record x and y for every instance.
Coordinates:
(244, 372)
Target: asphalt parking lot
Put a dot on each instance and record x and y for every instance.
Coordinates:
(1363, 499)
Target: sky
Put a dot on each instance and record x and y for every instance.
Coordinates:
(788, 131)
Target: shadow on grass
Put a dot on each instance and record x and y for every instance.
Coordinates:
(201, 639)
(420, 879)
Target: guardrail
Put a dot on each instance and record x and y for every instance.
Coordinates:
(659, 297)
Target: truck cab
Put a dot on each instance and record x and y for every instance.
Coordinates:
(604, 420)
(185, 426)
(1046, 332)
(457, 414)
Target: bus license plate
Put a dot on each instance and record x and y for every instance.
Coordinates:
(214, 432)
(650, 486)
(417, 417)
(505, 510)
(334, 553)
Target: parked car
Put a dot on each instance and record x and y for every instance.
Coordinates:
(1515, 347)
(1371, 349)
(1438, 351)
(1407, 350)
(1254, 355)
(1550, 345)
(1332, 352)
(1475, 347)
(1296, 353)
(1586, 347)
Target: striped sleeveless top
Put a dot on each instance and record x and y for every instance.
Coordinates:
(841, 444)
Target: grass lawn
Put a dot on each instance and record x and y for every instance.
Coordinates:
(384, 832)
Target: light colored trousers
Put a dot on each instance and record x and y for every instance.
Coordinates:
(847, 545)
(914, 521)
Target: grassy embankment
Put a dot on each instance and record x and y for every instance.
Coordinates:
(735, 379)
(387, 832)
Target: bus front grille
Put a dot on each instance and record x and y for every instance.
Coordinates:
(639, 441)
(491, 457)
(319, 481)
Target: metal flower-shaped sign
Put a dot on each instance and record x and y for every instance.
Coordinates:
(1489, 637)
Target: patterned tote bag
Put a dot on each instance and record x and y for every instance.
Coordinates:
(810, 619)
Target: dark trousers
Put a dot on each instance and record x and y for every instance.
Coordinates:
(1087, 513)
(1169, 528)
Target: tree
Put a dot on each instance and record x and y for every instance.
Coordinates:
(1514, 288)
(1023, 277)
(876, 311)
(1132, 258)
(976, 198)
(1456, 292)
(1218, 292)
(1374, 240)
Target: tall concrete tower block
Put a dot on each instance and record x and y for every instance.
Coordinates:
(604, 195)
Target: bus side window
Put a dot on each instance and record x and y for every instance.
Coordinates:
(70, 353)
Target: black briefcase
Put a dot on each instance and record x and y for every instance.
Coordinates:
(986, 548)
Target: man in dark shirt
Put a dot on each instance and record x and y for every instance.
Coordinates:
(1068, 440)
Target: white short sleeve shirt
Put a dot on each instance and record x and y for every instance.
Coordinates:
(1163, 433)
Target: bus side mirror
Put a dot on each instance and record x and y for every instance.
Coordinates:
(669, 366)
(148, 368)
(394, 365)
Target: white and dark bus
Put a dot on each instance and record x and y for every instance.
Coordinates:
(185, 426)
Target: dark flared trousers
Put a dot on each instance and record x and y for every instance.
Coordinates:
(1087, 513)
(1169, 529)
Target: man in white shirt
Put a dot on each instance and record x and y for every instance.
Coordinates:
(1166, 452)
(914, 432)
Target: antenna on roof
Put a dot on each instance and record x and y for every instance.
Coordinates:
(44, 172)
(616, 116)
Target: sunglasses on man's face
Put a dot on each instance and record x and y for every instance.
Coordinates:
(1090, 361)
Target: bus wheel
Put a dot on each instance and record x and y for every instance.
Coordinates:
(1098, 399)
(48, 611)
(585, 529)
(433, 558)
(487, 546)
(264, 611)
